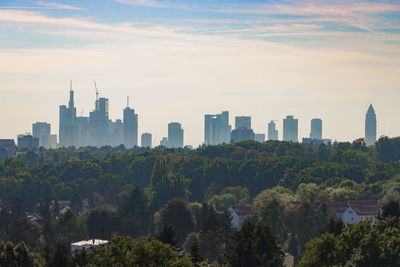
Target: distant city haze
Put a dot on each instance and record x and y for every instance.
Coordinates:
(178, 63)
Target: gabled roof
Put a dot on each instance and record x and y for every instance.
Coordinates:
(361, 207)
(243, 210)
(366, 207)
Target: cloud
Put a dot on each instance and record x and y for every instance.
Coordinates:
(51, 5)
(152, 3)
(44, 6)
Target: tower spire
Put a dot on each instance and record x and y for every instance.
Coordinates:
(71, 96)
(127, 101)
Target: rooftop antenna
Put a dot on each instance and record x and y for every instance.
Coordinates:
(127, 101)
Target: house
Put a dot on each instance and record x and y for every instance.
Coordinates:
(350, 211)
(239, 214)
(87, 244)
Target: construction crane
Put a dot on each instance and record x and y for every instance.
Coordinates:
(97, 91)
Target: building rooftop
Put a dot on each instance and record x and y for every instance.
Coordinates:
(243, 210)
(361, 207)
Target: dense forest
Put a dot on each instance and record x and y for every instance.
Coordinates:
(168, 207)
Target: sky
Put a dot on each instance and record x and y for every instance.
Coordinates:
(179, 60)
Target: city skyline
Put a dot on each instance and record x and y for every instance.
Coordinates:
(99, 130)
(179, 60)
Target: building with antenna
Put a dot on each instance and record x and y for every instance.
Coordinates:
(130, 126)
(67, 129)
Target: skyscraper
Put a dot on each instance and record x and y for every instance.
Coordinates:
(175, 135)
(243, 122)
(290, 129)
(217, 129)
(28, 141)
(370, 126)
(82, 131)
(116, 133)
(130, 127)
(67, 129)
(99, 122)
(41, 130)
(242, 130)
(272, 132)
(146, 140)
(316, 129)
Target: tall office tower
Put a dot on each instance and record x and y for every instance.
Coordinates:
(116, 133)
(242, 130)
(290, 129)
(41, 130)
(82, 131)
(272, 131)
(217, 129)
(370, 126)
(146, 140)
(130, 127)
(316, 129)
(99, 122)
(259, 138)
(243, 122)
(67, 129)
(175, 135)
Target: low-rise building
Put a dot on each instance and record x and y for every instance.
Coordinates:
(351, 211)
(87, 244)
(239, 214)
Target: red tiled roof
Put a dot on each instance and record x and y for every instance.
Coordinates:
(243, 210)
(366, 207)
(361, 207)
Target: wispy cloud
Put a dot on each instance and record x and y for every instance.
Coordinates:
(152, 3)
(44, 5)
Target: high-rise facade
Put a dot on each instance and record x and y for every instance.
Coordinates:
(116, 133)
(290, 129)
(242, 122)
(41, 130)
(146, 140)
(67, 129)
(370, 126)
(28, 141)
(259, 138)
(130, 127)
(217, 129)
(242, 130)
(272, 131)
(316, 129)
(98, 123)
(175, 135)
(82, 131)
(7, 148)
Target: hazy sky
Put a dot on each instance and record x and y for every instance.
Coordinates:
(178, 60)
